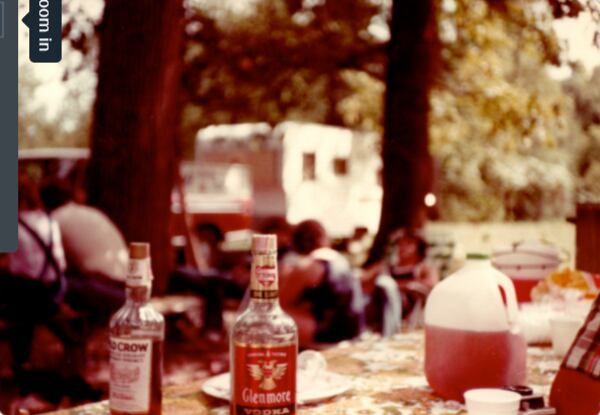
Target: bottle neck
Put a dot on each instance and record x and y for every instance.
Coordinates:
(139, 281)
(264, 282)
(138, 295)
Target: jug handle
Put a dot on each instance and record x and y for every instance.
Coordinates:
(511, 297)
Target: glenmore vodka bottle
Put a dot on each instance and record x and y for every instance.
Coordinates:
(264, 342)
(137, 333)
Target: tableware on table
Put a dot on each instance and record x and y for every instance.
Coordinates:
(472, 338)
(563, 330)
(532, 403)
(311, 365)
(534, 318)
(527, 263)
(315, 383)
(487, 401)
(328, 386)
(566, 285)
(541, 411)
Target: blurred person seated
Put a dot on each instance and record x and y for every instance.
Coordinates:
(215, 285)
(358, 246)
(230, 280)
(398, 285)
(405, 262)
(407, 250)
(32, 289)
(95, 250)
(33, 274)
(320, 291)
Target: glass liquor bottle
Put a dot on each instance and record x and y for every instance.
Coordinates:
(264, 342)
(137, 333)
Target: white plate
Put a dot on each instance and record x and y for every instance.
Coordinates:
(327, 386)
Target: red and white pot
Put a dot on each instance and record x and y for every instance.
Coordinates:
(527, 263)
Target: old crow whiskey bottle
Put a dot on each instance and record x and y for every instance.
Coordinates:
(137, 333)
(264, 342)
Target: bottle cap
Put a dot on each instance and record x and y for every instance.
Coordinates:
(522, 390)
(264, 244)
(477, 255)
(139, 250)
(139, 273)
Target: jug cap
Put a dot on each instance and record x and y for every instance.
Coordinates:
(522, 390)
(477, 255)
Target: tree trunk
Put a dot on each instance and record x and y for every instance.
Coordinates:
(407, 165)
(136, 121)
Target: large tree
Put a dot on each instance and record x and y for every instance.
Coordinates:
(322, 61)
(136, 120)
(489, 92)
(407, 166)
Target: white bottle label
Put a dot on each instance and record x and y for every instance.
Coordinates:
(139, 273)
(130, 372)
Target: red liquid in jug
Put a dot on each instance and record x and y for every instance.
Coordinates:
(459, 360)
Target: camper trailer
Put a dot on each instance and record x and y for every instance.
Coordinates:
(303, 170)
(254, 146)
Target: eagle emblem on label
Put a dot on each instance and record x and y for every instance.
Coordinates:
(267, 372)
(266, 275)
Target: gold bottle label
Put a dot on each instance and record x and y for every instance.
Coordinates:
(264, 282)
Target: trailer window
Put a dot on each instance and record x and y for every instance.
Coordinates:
(309, 166)
(340, 166)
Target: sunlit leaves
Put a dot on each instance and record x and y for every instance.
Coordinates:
(363, 108)
(502, 130)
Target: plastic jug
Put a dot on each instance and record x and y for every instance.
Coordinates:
(471, 337)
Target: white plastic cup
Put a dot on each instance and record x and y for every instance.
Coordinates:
(563, 329)
(492, 402)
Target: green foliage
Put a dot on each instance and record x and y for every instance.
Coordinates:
(55, 100)
(506, 137)
(68, 126)
(277, 60)
(589, 186)
(503, 132)
(586, 93)
(261, 60)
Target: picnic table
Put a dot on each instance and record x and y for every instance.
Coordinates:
(387, 378)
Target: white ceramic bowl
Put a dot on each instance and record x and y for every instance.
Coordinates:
(492, 402)
(563, 329)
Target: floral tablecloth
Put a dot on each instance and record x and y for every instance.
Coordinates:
(387, 378)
